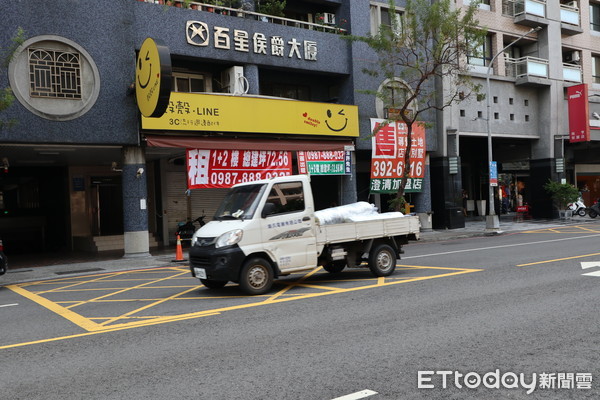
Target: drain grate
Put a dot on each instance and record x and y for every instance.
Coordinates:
(76, 271)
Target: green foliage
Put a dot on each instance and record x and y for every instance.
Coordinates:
(6, 55)
(271, 7)
(397, 203)
(425, 45)
(561, 193)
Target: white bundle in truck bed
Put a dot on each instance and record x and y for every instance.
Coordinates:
(360, 211)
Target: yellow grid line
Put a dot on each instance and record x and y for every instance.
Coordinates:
(282, 296)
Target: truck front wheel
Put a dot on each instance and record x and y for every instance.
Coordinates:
(256, 276)
(382, 260)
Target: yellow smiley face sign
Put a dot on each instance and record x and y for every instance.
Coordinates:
(153, 78)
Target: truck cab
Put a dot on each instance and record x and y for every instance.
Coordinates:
(269, 221)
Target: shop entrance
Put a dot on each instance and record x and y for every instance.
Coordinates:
(107, 206)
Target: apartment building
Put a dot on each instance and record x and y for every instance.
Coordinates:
(535, 134)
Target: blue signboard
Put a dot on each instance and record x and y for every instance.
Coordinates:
(493, 173)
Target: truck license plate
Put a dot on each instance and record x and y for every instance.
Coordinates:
(200, 273)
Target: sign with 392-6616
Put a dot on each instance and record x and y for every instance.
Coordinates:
(389, 144)
(225, 168)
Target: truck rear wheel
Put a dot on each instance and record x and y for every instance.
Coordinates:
(213, 284)
(256, 276)
(335, 266)
(382, 260)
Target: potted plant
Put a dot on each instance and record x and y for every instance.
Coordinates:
(562, 194)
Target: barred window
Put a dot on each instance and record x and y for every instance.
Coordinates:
(54, 74)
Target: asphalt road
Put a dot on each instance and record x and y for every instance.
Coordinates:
(458, 320)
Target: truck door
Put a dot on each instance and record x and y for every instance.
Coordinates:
(287, 227)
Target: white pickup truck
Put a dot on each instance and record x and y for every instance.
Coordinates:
(268, 228)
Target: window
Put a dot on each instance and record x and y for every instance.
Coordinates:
(394, 94)
(595, 17)
(596, 69)
(191, 83)
(287, 197)
(288, 91)
(483, 53)
(54, 74)
(381, 14)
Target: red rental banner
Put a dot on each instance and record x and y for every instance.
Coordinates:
(387, 157)
(225, 168)
(579, 120)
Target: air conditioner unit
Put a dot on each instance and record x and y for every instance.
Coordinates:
(572, 56)
(329, 18)
(231, 80)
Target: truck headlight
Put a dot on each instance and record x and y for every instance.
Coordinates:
(229, 238)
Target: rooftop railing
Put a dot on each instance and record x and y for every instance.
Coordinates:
(239, 12)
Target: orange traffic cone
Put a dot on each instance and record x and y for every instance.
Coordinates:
(179, 251)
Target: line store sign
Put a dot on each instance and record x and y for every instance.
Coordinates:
(199, 34)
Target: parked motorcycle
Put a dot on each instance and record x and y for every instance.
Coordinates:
(578, 207)
(594, 210)
(185, 230)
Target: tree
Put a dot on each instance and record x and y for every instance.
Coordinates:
(428, 40)
(561, 193)
(6, 95)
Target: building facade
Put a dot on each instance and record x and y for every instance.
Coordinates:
(85, 170)
(530, 123)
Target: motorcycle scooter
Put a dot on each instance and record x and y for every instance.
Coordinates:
(594, 209)
(578, 207)
(185, 230)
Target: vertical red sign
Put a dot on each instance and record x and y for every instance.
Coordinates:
(579, 119)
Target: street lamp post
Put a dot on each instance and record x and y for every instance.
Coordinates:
(492, 222)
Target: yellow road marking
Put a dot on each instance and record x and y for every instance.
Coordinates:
(63, 312)
(126, 315)
(291, 285)
(125, 290)
(279, 297)
(557, 259)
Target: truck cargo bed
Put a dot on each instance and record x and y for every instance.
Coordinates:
(374, 227)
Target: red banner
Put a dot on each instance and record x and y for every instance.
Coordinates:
(387, 158)
(579, 117)
(225, 168)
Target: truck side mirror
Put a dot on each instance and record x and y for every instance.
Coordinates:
(268, 209)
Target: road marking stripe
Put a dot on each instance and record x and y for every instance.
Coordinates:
(499, 247)
(595, 273)
(558, 259)
(9, 305)
(62, 311)
(358, 395)
(591, 264)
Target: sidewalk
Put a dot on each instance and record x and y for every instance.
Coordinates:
(92, 264)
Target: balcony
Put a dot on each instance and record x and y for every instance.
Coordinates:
(239, 12)
(530, 13)
(528, 71)
(572, 73)
(569, 20)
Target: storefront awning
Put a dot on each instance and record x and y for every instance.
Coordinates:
(217, 143)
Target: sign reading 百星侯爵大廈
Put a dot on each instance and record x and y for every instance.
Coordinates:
(198, 33)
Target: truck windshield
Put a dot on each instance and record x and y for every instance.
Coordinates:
(240, 202)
